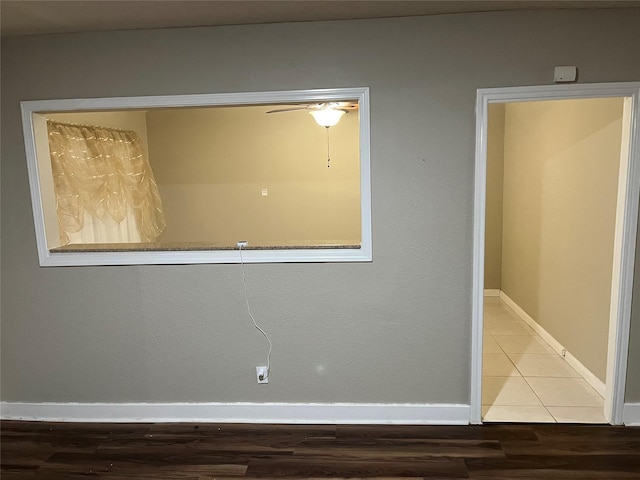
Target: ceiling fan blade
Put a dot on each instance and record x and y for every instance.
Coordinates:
(292, 109)
(347, 106)
(319, 106)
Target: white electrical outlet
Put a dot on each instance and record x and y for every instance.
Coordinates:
(262, 374)
(242, 244)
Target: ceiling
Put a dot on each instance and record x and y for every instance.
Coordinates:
(29, 17)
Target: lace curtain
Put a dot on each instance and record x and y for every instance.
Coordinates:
(104, 185)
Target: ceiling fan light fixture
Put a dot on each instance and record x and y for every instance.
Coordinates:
(327, 117)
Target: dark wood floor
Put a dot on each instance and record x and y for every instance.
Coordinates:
(36, 450)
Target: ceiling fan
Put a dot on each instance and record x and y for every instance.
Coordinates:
(326, 114)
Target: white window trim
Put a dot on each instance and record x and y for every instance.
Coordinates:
(38, 168)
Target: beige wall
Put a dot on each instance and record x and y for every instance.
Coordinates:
(212, 164)
(129, 120)
(560, 191)
(179, 333)
(493, 216)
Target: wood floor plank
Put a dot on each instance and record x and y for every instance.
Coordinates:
(17, 475)
(555, 466)
(46, 451)
(85, 430)
(224, 446)
(400, 448)
(596, 433)
(245, 429)
(133, 470)
(332, 466)
(470, 432)
(571, 448)
(23, 460)
(168, 458)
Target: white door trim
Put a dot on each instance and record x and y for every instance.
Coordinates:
(626, 233)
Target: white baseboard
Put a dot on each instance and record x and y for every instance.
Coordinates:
(631, 414)
(300, 413)
(579, 367)
(491, 292)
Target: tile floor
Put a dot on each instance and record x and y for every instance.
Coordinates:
(524, 380)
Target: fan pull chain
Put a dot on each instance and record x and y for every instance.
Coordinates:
(328, 150)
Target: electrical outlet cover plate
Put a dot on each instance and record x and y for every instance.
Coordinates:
(564, 74)
(262, 371)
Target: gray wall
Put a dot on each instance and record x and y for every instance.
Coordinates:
(180, 333)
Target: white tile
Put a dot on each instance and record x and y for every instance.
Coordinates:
(508, 391)
(498, 365)
(497, 321)
(489, 345)
(510, 311)
(517, 414)
(523, 344)
(508, 327)
(565, 392)
(578, 414)
(536, 365)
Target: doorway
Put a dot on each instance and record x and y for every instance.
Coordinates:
(625, 224)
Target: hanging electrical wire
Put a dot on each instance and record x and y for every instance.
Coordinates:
(255, 324)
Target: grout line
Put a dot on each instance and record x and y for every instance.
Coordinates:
(513, 317)
(541, 401)
(572, 361)
(526, 378)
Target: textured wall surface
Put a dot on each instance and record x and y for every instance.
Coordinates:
(180, 333)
